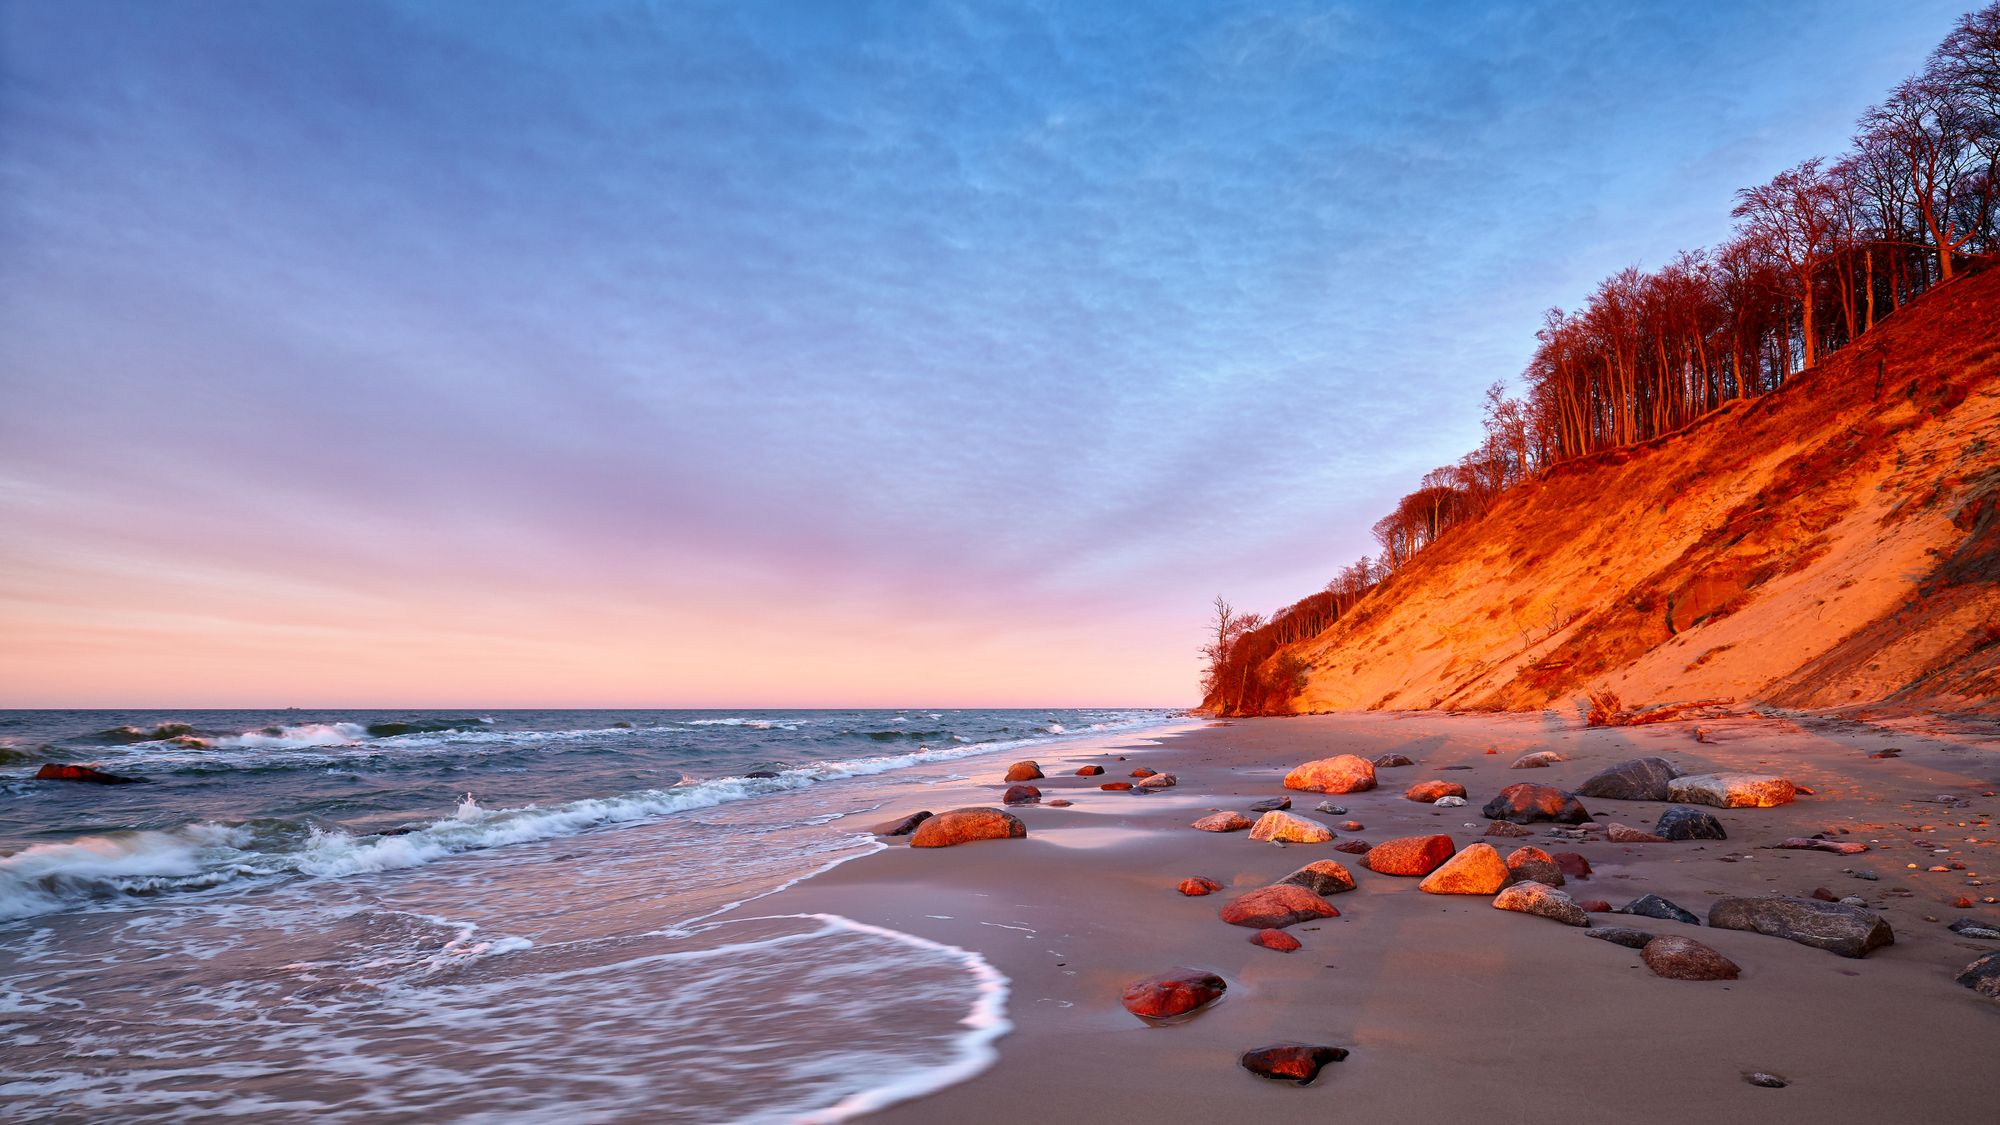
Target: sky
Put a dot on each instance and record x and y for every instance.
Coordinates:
(797, 354)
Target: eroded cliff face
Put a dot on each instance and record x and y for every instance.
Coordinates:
(1835, 544)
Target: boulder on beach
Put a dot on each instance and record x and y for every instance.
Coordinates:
(1410, 855)
(1322, 877)
(1535, 865)
(1115, 786)
(1354, 847)
(1594, 905)
(1023, 771)
(1089, 771)
(1275, 907)
(1636, 779)
(1543, 901)
(1195, 885)
(1159, 781)
(1850, 931)
(1505, 828)
(1982, 976)
(1428, 791)
(1393, 761)
(1291, 1062)
(963, 826)
(1685, 822)
(1345, 773)
(1020, 795)
(1626, 834)
(903, 826)
(1525, 803)
(1573, 865)
(1653, 906)
(1679, 958)
(1449, 802)
(1271, 804)
(1732, 790)
(1142, 771)
(1175, 992)
(1290, 828)
(1619, 935)
(1477, 870)
(1276, 939)
(1973, 928)
(1223, 822)
(88, 775)
(1537, 760)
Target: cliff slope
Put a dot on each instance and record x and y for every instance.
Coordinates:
(1835, 544)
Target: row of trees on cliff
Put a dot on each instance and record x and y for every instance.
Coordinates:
(1819, 255)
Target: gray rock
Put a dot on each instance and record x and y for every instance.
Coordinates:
(1621, 935)
(1835, 927)
(1973, 927)
(1682, 822)
(1639, 779)
(1767, 1080)
(1653, 906)
(1983, 976)
(1272, 804)
(1330, 809)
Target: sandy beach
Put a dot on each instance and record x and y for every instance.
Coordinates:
(1453, 1010)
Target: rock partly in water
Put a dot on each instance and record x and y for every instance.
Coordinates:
(1020, 795)
(1271, 804)
(1653, 906)
(1290, 828)
(1173, 993)
(1732, 790)
(1223, 822)
(1982, 976)
(1543, 901)
(1679, 958)
(1089, 771)
(1291, 1062)
(903, 826)
(1683, 822)
(1620, 935)
(1345, 773)
(1626, 834)
(1477, 870)
(1525, 803)
(1410, 855)
(1115, 786)
(963, 826)
(1196, 885)
(1535, 865)
(1023, 771)
(1276, 939)
(1537, 760)
(1428, 791)
(1322, 877)
(1142, 771)
(88, 775)
(1393, 761)
(1159, 781)
(1275, 907)
(1639, 779)
(1836, 927)
(1573, 865)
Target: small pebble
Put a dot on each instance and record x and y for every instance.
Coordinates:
(1769, 1081)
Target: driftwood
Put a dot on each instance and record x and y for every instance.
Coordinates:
(1606, 710)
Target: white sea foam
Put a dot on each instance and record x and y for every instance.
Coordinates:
(297, 737)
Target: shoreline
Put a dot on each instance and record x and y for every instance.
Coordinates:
(1453, 1010)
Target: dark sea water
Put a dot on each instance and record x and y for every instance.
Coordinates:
(500, 916)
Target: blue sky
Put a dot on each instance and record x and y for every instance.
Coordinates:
(797, 353)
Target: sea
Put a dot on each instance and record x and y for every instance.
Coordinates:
(483, 916)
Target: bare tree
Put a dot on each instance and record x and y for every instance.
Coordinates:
(1794, 218)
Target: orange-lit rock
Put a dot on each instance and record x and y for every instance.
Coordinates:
(1409, 855)
(1291, 1062)
(1478, 870)
(1275, 939)
(1115, 786)
(1345, 773)
(1290, 828)
(1541, 900)
(50, 771)
(1223, 822)
(1275, 907)
(1322, 877)
(1428, 791)
(963, 826)
(1023, 771)
(1089, 771)
(1020, 795)
(1536, 865)
(1195, 885)
(1142, 771)
(1525, 803)
(1626, 834)
(1732, 790)
(1173, 993)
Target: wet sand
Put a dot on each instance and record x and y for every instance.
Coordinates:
(1455, 1011)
